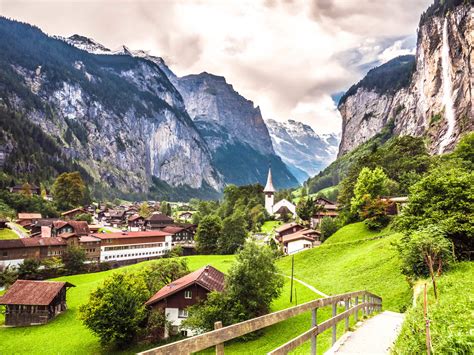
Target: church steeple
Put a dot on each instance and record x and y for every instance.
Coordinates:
(269, 186)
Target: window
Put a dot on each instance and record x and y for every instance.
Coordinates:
(188, 294)
(5, 253)
(182, 313)
(184, 333)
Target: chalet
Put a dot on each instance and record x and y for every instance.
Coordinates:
(136, 223)
(91, 246)
(180, 235)
(300, 240)
(72, 214)
(174, 298)
(126, 247)
(27, 219)
(288, 228)
(186, 216)
(34, 302)
(76, 227)
(35, 190)
(116, 217)
(13, 252)
(39, 224)
(158, 220)
(326, 208)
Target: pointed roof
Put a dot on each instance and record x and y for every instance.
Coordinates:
(269, 186)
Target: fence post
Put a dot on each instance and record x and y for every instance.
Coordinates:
(314, 338)
(346, 303)
(427, 322)
(356, 314)
(219, 347)
(334, 327)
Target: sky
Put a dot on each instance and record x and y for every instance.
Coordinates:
(290, 57)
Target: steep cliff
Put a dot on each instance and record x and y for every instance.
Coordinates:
(304, 151)
(430, 95)
(116, 116)
(234, 130)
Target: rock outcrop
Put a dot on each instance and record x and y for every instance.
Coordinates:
(429, 95)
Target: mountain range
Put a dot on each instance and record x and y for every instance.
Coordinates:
(130, 125)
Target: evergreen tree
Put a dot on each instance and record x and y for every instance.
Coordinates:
(233, 234)
(208, 233)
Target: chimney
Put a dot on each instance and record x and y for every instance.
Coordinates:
(206, 271)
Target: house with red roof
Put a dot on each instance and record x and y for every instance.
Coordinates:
(176, 297)
(300, 240)
(34, 302)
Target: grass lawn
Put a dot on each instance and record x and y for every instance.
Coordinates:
(451, 316)
(355, 232)
(270, 226)
(66, 334)
(7, 233)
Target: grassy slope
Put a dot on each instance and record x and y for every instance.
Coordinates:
(451, 316)
(8, 234)
(270, 226)
(66, 334)
(344, 264)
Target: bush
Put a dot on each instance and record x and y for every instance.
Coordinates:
(374, 213)
(73, 259)
(328, 227)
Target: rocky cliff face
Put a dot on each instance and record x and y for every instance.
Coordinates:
(234, 130)
(118, 117)
(435, 100)
(304, 151)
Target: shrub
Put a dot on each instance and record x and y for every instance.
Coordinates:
(328, 227)
(375, 215)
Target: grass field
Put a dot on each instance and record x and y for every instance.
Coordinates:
(355, 232)
(270, 226)
(346, 264)
(7, 233)
(451, 317)
(66, 334)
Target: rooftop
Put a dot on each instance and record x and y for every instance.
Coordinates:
(27, 292)
(119, 235)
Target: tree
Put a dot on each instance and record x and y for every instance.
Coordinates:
(162, 272)
(305, 209)
(424, 251)
(328, 227)
(254, 279)
(73, 259)
(165, 208)
(374, 214)
(370, 184)
(258, 215)
(144, 210)
(465, 150)
(234, 233)
(26, 189)
(208, 233)
(69, 190)
(29, 269)
(115, 311)
(445, 197)
(84, 217)
(8, 276)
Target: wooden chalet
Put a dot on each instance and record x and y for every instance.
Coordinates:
(174, 298)
(34, 302)
(187, 216)
(136, 223)
(91, 246)
(158, 220)
(326, 208)
(300, 240)
(34, 189)
(288, 228)
(27, 219)
(72, 214)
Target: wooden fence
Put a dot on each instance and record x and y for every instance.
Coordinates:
(353, 303)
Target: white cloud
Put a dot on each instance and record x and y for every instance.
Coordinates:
(287, 56)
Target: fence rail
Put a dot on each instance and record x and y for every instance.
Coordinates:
(361, 300)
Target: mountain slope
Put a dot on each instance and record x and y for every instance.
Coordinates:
(118, 117)
(430, 95)
(301, 149)
(234, 130)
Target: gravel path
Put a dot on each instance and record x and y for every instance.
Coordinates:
(375, 336)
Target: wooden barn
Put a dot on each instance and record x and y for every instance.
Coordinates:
(34, 302)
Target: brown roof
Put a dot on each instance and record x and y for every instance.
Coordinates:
(327, 213)
(134, 217)
(173, 229)
(301, 234)
(286, 226)
(11, 244)
(88, 238)
(29, 215)
(207, 277)
(79, 209)
(119, 235)
(26, 292)
(39, 242)
(79, 227)
(158, 217)
(68, 235)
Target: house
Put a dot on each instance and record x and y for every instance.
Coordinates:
(72, 214)
(91, 246)
(38, 225)
(180, 235)
(157, 220)
(300, 240)
(174, 298)
(126, 247)
(186, 216)
(34, 302)
(35, 190)
(325, 208)
(136, 223)
(77, 227)
(288, 228)
(116, 217)
(26, 219)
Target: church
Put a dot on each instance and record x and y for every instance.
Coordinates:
(282, 206)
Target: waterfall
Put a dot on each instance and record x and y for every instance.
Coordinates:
(447, 90)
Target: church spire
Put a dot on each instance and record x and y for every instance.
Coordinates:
(269, 186)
